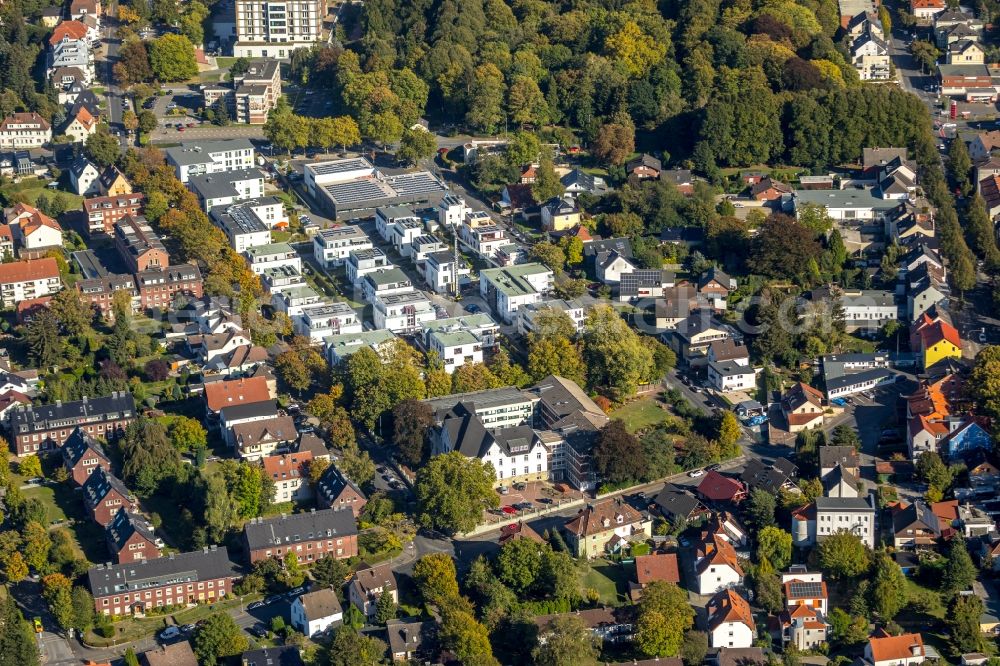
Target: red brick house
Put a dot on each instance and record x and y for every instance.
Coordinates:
(139, 245)
(336, 491)
(130, 538)
(311, 536)
(104, 212)
(104, 494)
(82, 454)
(48, 426)
(202, 576)
(158, 287)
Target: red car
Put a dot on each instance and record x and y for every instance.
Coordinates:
(190, 124)
(509, 510)
(180, 128)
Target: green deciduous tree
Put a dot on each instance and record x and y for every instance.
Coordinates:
(615, 354)
(887, 593)
(452, 492)
(411, 421)
(959, 165)
(416, 145)
(959, 571)
(171, 58)
(664, 616)
(568, 642)
(217, 638)
(519, 564)
(761, 508)
(775, 545)
(618, 457)
(17, 641)
(964, 613)
(349, 648)
(842, 555)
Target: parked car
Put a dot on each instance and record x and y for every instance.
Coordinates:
(306, 429)
(713, 468)
(503, 490)
(472, 308)
(695, 473)
(395, 484)
(258, 631)
(255, 605)
(520, 485)
(524, 506)
(180, 128)
(172, 105)
(296, 591)
(272, 599)
(38, 625)
(170, 632)
(188, 628)
(509, 510)
(982, 337)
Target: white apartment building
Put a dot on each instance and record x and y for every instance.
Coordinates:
(293, 299)
(452, 210)
(440, 271)
(362, 262)
(223, 189)
(24, 130)
(729, 376)
(274, 255)
(275, 28)
(242, 225)
(24, 280)
(386, 218)
(402, 312)
(192, 158)
(384, 282)
(325, 319)
(829, 515)
(526, 314)
(332, 247)
(461, 340)
(507, 289)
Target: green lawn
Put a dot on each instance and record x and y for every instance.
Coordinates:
(30, 188)
(641, 414)
(132, 630)
(47, 495)
(610, 580)
(224, 62)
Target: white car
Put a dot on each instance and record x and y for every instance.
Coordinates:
(982, 337)
(695, 473)
(170, 632)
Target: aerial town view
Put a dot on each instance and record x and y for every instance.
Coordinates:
(500, 332)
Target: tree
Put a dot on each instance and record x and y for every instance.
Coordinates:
(147, 121)
(888, 587)
(293, 371)
(519, 563)
(130, 657)
(385, 128)
(775, 545)
(617, 455)
(187, 434)
(44, 342)
(385, 608)
(964, 613)
(411, 421)
(783, 248)
(217, 638)
(932, 469)
(729, 435)
(761, 508)
(547, 183)
(220, 512)
(37, 545)
(416, 145)
(15, 568)
(330, 572)
(133, 63)
(30, 466)
(436, 579)
(664, 616)
(845, 435)
(57, 591)
(549, 254)
(74, 317)
(349, 648)
(959, 571)
(130, 120)
(452, 492)
(979, 229)
(552, 354)
(466, 638)
(102, 148)
(171, 58)
(486, 99)
(959, 165)
(614, 353)
(568, 642)
(17, 640)
(83, 609)
(842, 555)
(695, 648)
(615, 141)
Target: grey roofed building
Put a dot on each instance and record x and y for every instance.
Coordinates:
(265, 532)
(685, 235)
(581, 181)
(321, 603)
(370, 578)
(851, 198)
(674, 501)
(837, 477)
(644, 160)
(407, 637)
(770, 478)
(596, 250)
(831, 456)
(752, 656)
(77, 446)
(278, 655)
(847, 504)
(208, 563)
(838, 383)
(99, 484)
(249, 410)
(197, 152)
(48, 417)
(480, 399)
(469, 435)
(123, 526)
(561, 398)
(220, 185)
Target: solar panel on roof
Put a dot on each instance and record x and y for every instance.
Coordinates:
(806, 590)
(339, 166)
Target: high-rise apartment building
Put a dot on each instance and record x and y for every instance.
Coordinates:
(273, 29)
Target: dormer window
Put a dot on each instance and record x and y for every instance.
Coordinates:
(619, 519)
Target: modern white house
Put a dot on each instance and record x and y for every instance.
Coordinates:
(293, 299)
(528, 313)
(717, 567)
(223, 189)
(362, 262)
(461, 340)
(384, 282)
(322, 320)
(850, 205)
(507, 289)
(315, 612)
(729, 376)
(275, 28)
(829, 515)
(192, 158)
(452, 210)
(402, 312)
(84, 177)
(332, 247)
(440, 271)
(340, 347)
(273, 255)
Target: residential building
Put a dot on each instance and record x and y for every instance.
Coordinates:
(281, 655)
(315, 612)
(340, 347)
(559, 214)
(840, 483)
(113, 182)
(929, 413)
(267, 29)
(829, 515)
(201, 576)
(870, 54)
(613, 267)
(497, 408)
(577, 181)
(130, 538)
(48, 426)
(965, 52)
(905, 649)
(84, 177)
(774, 477)
(98, 292)
(282, 278)
(275, 255)
(409, 641)
(175, 654)
(226, 393)
(322, 320)
(311, 536)
(289, 472)
(244, 223)
(249, 98)
(336, 491)
(608, 526)
(728, 377)
(730, 621)
(452, 210)
(69, 46)
(402, 312)
(527, 314)
(293, 299)
(211, 346)
(644, 284)
(228, 187)
(104, 212)
(193, 158)
(717, 567)
(34, 232)
(863, 309)
(802, 408)
(140, 246)
(460, 340)
(333, 246)
(25, 280)
(606, 625)
(260, 431)
(851, 206)
(104, 494)
(644, 166)
(441, 271)
(653, 568)
(354, 187)
(926, 9)
(80, 126)
(934, 340)
(675, 503)
(692, 337)
(82, 454)
(368, 585)
(507, 289)
(362, 262)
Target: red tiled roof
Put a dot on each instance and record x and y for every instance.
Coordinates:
(236, 392)
(892, 648)
(938, 331)
(718, 487)
(658, 566)
(729, 606)
(71, 29)
(20, 118)
(718, 551)
(288, 465)
(32, 269)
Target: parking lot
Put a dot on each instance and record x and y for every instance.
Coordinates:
(180, 107)
(526, 499)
